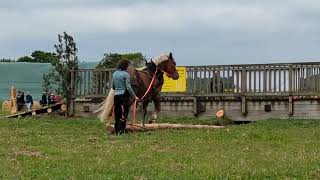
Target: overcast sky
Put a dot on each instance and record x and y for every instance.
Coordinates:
(198, 32)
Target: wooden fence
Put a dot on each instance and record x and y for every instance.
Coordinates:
(244, 91)
(221, 80)
(255, 78)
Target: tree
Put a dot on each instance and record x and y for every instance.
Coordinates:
(60, 78)
(39, 57)
(44, 57)
(7, 60)
(25, 59)
(111, 60)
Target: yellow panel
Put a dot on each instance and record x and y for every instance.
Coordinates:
(179, 85)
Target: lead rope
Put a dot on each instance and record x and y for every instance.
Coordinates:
(136, 101)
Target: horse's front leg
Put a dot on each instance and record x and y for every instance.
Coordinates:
(157, 108)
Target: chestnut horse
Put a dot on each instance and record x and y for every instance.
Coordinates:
(140, 81)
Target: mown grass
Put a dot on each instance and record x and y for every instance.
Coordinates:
(79, 148)
(2, 113)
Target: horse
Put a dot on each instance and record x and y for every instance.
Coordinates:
(141, 78)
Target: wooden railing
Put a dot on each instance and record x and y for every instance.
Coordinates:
(91, 82)
(220, 80)
(254, 78)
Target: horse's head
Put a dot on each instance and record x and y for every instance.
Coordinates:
(167, 64)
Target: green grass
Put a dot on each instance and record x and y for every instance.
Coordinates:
(191, 120)
(1, 112)
(52, 148)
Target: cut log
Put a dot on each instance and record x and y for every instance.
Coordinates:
(63, 107)
(153, 127)
(49, 110)
(42, 110)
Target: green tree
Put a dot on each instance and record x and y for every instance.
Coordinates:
(111, 60)
(44, 57)
(7, 60)
(25, 59)
(59, 79)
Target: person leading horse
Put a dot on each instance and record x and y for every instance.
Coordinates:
(150, 77)
(123, 90)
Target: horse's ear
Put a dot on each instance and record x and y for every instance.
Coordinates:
(170, 56)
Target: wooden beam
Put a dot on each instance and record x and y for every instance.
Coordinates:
(153, 127)
(290, 105)
(195, 106)
(290, 78)
(243, 105)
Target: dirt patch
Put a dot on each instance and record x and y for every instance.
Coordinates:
(315, 174)
(92, 140)
(28, 153)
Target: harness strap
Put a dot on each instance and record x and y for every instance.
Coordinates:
(134, 114)
(149, 85)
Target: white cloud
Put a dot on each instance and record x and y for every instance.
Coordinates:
(230, 29)
(172, 16)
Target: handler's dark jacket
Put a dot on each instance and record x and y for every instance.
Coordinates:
(29, 99)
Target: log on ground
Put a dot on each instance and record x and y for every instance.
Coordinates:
(153, 127)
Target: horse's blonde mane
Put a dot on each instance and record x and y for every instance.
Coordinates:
(157, 60)
(160, 59)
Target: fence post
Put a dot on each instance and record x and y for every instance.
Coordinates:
(195, 106)
(243, 80)
(290, 105)
(70, 102)
(265, 79)
(290, 78)
(243, 105)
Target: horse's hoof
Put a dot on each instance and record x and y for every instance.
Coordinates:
(152, 121)
(110, 130)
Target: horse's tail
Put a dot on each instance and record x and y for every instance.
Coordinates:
(105, 109)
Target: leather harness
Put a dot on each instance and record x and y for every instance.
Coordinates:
(137, 80)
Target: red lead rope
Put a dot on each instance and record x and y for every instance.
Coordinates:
(135, 101)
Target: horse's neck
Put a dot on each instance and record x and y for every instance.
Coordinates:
(148, 70)
(141, 80)
(160, 73)
(160, 79)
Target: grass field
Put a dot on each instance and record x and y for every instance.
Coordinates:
(59, 148)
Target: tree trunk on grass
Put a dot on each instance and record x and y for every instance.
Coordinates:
(153, 127)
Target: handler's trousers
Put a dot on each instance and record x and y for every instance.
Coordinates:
(121, 111)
